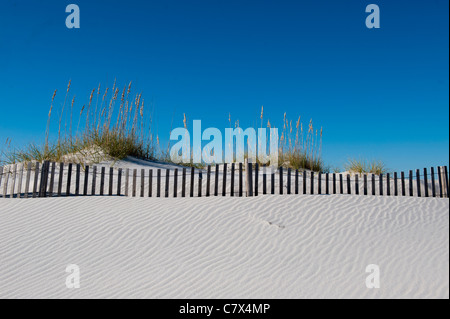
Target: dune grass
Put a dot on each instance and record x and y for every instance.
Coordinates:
(362, 166)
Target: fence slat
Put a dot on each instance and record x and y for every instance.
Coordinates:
(200, 179)
(289, 181)
(1, 175)
(41, 180)
(365, 184)
(150, 183)
(19, 187)
(319, 183)
(183, 183)
(281, 180)
(349, 185)
(411, 189)
(111, 181)
(60, 178)
(208, 181)
(44, 178)
(446, 181)
(419, 191)
(388, 184)
(119, 182)
(296, 182)
(240, 180)
(13, 182)
(192, 181)
(395, 184)
(249, 173)
(256, 178)
(166, 186)
(158, 183)
(77, 180)
(127, 182)
(433, 183)
(86, 180)
(356, 184)
(5, 183)
(175, 182)
(403, 184)
(94, 180)
(311, 185)
(102, 181)
(327, 183)
(341, 184)
(216, 180)
(69, 179)
(425, 182)
(304, 182)
(272, 183)
(224, 182)
(52, 171)
(373, 185)
(441, 194)
(334, 184)
(27, 182)
(134, 189)
(233, 168)
(142, 182)
(380, 184)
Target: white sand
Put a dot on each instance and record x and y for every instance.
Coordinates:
(266, 247)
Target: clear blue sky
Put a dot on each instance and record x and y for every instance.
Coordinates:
(378, 93)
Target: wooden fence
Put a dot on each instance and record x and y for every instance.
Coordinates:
(49, 179)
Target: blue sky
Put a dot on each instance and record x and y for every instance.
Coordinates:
(378, 93)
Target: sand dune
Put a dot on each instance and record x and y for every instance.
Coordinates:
(266, 247)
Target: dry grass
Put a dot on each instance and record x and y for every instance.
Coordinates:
(362, 166)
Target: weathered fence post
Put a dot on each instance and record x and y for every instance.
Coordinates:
(224, 181)
(13, 182)
(233, 167)
(327, 183)
(19, 187)
(395, 184)
(200, 179)
(341, 184)
(272, 182)
(192, 181)
(411, 189)
(5, 183)
(356, 184)
(183, 183)
(102, 181)
(60, 178)
(334, 184)
(216, 181)
(27, 183)
(319, 183)
(296, 182)
(158, 182)
(166, 186)
(249, 173)
(77, 180)
(175, 182)
(373, 185)
(419, 192)
(349, 186)
(380, 184)
(240, 180)
(289, 181)
(1, 175)
(388, 184)
(441, 193)
(311, 190)
(264, 180)
(111, 180)
(425, 181)
(142, 182)
(446, 182)
(403, 184)
(433, 183)
(208, 180)
(127, 182)
(36, 179)
(304, 182)
(86, 181)
(94, 180)
(256, 178)
(133, 192)
(280, 181)
(119, 182)
(150, 183)
(365, 184)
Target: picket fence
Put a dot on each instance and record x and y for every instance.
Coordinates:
(49, 179)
